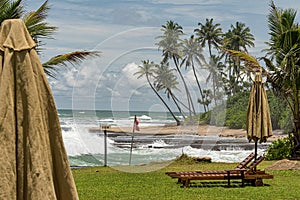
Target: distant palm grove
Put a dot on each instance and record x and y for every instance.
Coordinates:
(223, 60)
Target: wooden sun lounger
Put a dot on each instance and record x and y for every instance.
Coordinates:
(229, 175)
(247, 174)
(257, 177)
(240, 166)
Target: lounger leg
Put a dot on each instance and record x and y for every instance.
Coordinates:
(242, 173)
(187, 183)
(228, 177)
(259, 182)
(179, 180)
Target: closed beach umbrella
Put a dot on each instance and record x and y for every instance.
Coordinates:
(33, 160)
(259, 126)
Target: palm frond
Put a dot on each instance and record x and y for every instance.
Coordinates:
(36, 25)
(251, 63)
(73, 58)
(271, 67)
(10, 10)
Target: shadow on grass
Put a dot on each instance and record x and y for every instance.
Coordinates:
(223, 184)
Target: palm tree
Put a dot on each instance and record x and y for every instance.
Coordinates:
(39, 29)
(10, 10)
(215, 68)
(166, 80)
(147, 70)
(284, 75)
(237, 38)
(170, 44)
(170, 41)
(284, 47)
(209, 33)
(207, 97)
(212, 35)
(192, 52)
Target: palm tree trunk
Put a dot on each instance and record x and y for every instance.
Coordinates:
(169, 109)
(199, 86)
(209, 48)
(176, 103)
(181, 103)
(189, 99)
(296, 113)
(214, 89)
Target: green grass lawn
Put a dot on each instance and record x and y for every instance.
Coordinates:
(107, 183)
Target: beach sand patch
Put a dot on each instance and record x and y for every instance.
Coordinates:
(285, 164)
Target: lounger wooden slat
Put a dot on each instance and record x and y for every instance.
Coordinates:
(241, 165)
(248, 173)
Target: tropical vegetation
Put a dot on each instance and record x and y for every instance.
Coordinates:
(225, 73)
(279, 149)
(39, 29)
(233, 112)
(180, 54)
(282, 64)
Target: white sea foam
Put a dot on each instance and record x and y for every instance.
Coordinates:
(79, 142)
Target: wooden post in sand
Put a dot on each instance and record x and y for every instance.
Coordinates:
(131, 145)
(105, 127)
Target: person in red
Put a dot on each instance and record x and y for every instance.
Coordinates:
(136, 123)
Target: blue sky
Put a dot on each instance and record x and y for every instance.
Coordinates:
(124, 31)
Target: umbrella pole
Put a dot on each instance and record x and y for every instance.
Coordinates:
(255, 150)
(255, 153)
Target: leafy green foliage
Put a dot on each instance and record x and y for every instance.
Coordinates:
(277, 107)
(286, 120)
(279, 149)
(184, 158)
(233, 112)
(236, 119)
(236, 115)
(204, 118)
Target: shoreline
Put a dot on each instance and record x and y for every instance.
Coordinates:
(201, 130)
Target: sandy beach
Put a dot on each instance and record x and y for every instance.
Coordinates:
(203, 130)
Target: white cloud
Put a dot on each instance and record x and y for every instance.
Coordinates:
(117, 29)
(128, 73)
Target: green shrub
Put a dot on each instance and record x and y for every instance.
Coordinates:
(277, 108)
(233, 112)
(184, 158)
(218, 115)
(236, 121)
(286, 120)
(204, 118)
(220, 118)
(279, 149)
